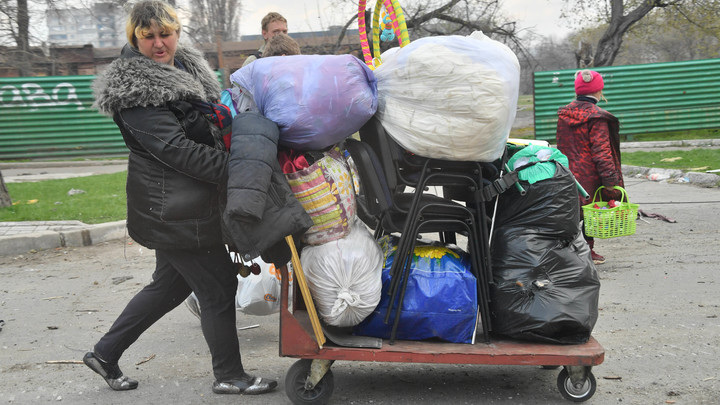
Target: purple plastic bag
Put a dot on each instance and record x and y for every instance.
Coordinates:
(316, 100)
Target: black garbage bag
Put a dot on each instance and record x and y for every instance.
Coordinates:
(549, 206)
(546, 287)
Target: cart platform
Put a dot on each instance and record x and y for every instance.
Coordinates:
(310, 379)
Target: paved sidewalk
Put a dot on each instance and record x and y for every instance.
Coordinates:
(17, 172)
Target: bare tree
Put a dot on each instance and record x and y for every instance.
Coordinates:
(5, 200)
(619, 22)
(452, 17)
(16, 31)
(211, 20)
(584, 55)
(16, 16)
(12, 28)
(684, 32)
(460, 17)
(20, 22)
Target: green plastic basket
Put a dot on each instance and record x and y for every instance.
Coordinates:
(606, 222)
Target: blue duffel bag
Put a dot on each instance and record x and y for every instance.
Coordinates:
(440, 301)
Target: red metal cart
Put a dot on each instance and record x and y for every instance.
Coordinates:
(310, 380)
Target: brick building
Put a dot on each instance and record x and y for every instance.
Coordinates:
(89, 60)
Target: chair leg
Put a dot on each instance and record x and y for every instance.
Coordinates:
(485, 249)
(448, 238)
(404, 277)
(480, 252)
(407, 238)
(401, 263)
(482, 287)
(485, 265)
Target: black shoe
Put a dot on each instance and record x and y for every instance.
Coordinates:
(247, 385)
(110, 372)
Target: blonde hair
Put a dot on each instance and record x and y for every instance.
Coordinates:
(270, 17)
(281, 44)
(145, 14)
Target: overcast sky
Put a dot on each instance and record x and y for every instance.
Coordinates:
(310, 15)
(543, 16)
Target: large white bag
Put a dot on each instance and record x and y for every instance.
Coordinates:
(344, 276)
(450, 97)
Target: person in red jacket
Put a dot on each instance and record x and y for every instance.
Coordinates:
(589, 136)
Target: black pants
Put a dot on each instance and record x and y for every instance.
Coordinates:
(211, 274)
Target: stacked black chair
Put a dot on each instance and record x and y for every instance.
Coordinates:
(412, 213)
(393, 213)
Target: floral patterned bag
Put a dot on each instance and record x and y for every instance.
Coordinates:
(326, 191)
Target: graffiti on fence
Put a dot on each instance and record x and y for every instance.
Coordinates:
(33, 96)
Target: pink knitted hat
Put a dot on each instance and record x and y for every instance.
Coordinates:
(588, 82)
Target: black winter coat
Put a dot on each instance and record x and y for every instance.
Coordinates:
(173, 180)
(261, 209)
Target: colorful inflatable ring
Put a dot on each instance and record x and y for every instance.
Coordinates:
(364, 45)
(398, 17)
(393, 7)
(398, 20)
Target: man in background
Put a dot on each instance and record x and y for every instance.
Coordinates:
(272, 24)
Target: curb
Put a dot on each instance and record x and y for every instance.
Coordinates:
(86, 236)
(707, 180)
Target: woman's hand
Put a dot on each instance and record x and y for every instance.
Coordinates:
(611, 194)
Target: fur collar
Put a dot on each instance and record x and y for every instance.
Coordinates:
(136, 81)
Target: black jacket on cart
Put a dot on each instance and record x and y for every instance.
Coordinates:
(261, 209)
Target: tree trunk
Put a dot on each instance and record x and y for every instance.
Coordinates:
(611, 41)
(23, 38)
(5, 200)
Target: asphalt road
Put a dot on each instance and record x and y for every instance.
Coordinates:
(658, 323)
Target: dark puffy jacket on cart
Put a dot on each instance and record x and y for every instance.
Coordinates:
(173, 178)
(261, 209)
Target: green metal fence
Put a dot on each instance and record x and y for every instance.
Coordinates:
(656, 97)
(52, 117)
(49, 117)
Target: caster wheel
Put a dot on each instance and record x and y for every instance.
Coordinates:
(575, 393)
(295, 385)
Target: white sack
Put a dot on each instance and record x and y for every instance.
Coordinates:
(344, 276)
(450, 97)
(260, 294)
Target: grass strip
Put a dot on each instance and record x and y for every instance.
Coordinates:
(91, 199)
(693, 160)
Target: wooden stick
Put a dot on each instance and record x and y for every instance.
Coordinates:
(302, 283)
(145, 360)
